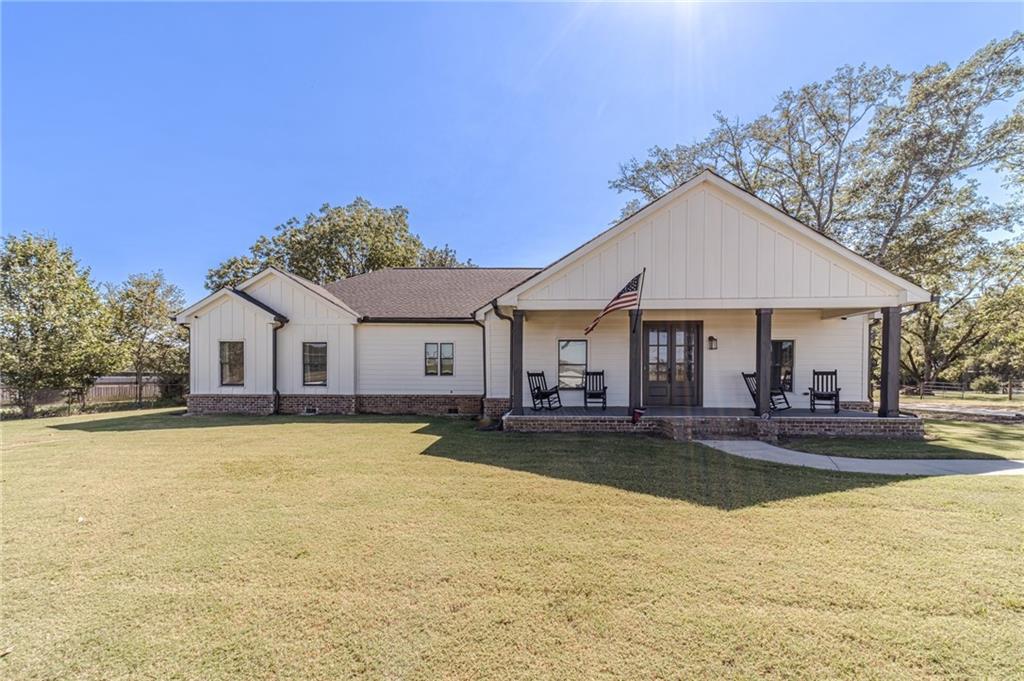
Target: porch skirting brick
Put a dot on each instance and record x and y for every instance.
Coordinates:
(584, 424)
(496, 407)
(724, 427)
(857, 406)
(901, 428)
(323, 404)
(256, 405)
(425, 405)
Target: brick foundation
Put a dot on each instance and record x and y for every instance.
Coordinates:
(425, 405)
(263, 405)
(324, 404)
(857, 406)
(496, 407)
(256, 405)
(723, 427)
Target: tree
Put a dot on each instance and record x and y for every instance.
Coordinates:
(887, 163)
(443, 256)
(141, 311)
(1002, 354)
(337, 242)
(55, 331)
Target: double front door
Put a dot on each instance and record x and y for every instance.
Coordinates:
(672, 363)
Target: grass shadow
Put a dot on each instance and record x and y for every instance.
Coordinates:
(632, 463)
(644, 465)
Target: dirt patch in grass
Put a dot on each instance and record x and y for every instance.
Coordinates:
(144, 545)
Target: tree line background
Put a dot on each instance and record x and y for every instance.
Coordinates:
(887, 163)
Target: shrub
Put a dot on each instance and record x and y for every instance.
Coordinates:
(986, 384)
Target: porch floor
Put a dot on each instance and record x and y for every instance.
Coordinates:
(683, 412)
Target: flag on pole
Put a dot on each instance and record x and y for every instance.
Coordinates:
(627, 297)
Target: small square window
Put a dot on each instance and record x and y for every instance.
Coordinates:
(439, 359)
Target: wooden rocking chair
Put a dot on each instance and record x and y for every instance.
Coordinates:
(825, 388)
(594, 389)
(777, 396)
(541, 394)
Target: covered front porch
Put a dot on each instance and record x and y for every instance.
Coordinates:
(692, 362)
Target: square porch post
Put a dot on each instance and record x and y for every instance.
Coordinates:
(889, 392)
(764, 360)
(636, 359)
(517, 362)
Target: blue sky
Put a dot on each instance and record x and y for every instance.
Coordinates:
(170, 136)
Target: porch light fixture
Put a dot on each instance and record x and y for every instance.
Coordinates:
(712, 343)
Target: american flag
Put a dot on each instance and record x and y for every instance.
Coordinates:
(627, 297)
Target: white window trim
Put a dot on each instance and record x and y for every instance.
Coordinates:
(558, 361)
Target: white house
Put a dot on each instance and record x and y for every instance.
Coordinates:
(731, 285)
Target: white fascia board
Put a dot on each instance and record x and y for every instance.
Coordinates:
(304, 283)
(910, 292)
(185, 316)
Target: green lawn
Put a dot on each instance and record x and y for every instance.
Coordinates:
(147, 545)
(943, 440)
(952, 400)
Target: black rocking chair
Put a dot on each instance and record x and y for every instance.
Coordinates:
(540, 393)
(825, 389)
(594, 389)
(777, 396)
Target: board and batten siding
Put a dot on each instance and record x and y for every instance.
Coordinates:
(711, 250)
(231, 319)
(820, 344)
(389, 359)
(310, 319)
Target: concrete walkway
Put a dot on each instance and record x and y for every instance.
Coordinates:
(753, 449)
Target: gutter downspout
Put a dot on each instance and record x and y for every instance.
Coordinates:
(500, 315)
(483, 338)
(273, 349)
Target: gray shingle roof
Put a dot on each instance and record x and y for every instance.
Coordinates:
(426, 293)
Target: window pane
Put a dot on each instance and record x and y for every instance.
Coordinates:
(447, 366)
(430, 359)
(783, 352)
(572, 363)
(447, 350)
(572, 352)
(314, 363)
(571, 375)
(232, 362)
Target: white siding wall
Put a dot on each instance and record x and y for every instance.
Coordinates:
(310, 319)
(822, 344)
(230, 320)
(607, 350)
(819, 344)
(713, 251)
(498, 339)
(389, 359)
